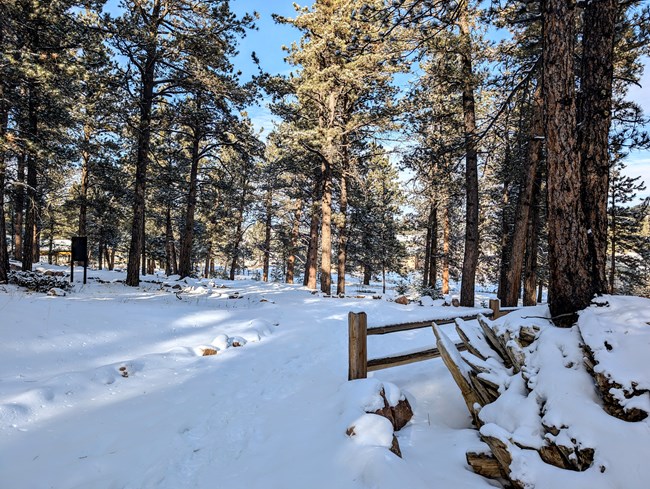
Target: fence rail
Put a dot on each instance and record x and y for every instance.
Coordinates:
(358, 333)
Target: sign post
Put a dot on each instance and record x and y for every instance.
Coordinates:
(79, 253)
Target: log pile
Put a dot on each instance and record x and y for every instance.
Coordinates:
(494, 357)
(608, 387)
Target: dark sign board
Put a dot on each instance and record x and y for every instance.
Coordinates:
(80, 248)
(79, 253)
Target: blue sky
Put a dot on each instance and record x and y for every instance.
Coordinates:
(268, 40)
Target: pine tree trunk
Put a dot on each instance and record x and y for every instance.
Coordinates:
(506, 244)
(470, 259)
(433, 260)
(427, 252)
(343, 236)
(238, 232)
(613, 243)
(326, 229)
(595, 109)
(85, 173)
(293, 245)
(522, 221)
(367, 274)
(532, 240)
(142, 162)
(267, 235)
(312, 249)
(208, 259)
(19, 203)
(100, 253)
(187, 238)
(446, 232)
(169, 241)
(570, 278)
(4, 119)
(32, 204)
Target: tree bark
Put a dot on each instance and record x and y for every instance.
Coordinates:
(85, 174)
(343, 236)
(4, 120)
(326, 229)
(32, 183)
(522, 221)
(506, 243)
(470, 259)
(171, 266)
(446, 232)
(312, 249)
(187, 239)
(238, 230)
(19, 203)
(613, 243)
(267, 235)
(532, 241)
(427, 252)
(293, 245)
(570, 278)
(595, 106)
(142, 162)
(433, 260)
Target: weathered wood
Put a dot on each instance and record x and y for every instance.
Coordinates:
(395, 328)
(357, 345)
(495, 305)
(493, 341)
(459, 373)
(527, 334)
(503, 457)
(396, 360)
(484, 464)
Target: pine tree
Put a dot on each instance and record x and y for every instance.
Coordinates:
(166, 44)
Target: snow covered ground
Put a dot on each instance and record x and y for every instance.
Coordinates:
(106, 388)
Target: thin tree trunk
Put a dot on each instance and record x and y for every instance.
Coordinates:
(312, 249)
(293, 245)
(267, 235)
(446, 232)
(326, 229)
(532, 242)
(433, 260)
(470, 259)
(238, 231)
(187, 238)
(4, 119)
(343, 236)
(170, 249)
(505, 244)
(208, 258)
(427, 250)
(19, 204)
(519, 237)
(100, 253)
(85, 173)
(540, 293)
(142, 162)
(570, 278)
(613, 243)
(595, 109)
(32, 183)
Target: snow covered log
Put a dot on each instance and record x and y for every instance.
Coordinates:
(495, 374)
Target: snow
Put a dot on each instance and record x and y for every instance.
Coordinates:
(107, 387)
(561, 396)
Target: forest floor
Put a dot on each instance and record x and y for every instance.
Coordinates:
(107, 387)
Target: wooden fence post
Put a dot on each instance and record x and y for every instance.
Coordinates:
(358, 345)
(495, 305)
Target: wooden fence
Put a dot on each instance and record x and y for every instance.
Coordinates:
(358, 332)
